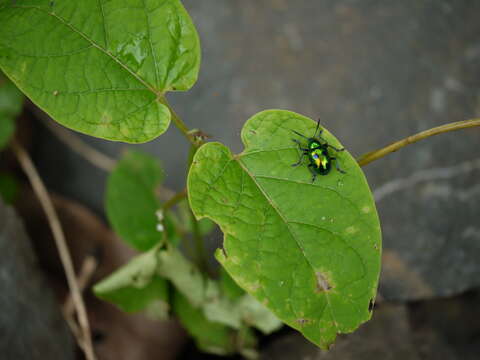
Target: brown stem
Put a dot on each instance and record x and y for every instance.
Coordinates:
(94, 156)
(89, 267)
(59, 236)
(175, 199)
(377, 154)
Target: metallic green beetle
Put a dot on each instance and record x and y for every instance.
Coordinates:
(317, 153)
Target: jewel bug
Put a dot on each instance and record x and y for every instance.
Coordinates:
(317, 151)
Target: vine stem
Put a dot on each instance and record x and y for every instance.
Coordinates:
(176, 119)
(377, 154)
(175, 199)
(40, 190)
(191, 135)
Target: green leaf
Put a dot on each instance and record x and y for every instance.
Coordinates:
(9, 188)
(209, 336)
(101, 67)
(7, 128)
(201, 292)
(211, 297)
(309, 251)
(251, 311)
(229, 287)
(11, 100)
(136, 286)
(255, 314)
(184, 220)
(131, 200)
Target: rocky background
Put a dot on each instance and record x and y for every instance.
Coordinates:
(374, 71)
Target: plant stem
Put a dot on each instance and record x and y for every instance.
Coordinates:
(175, 199)
(91, 154)
(181, 125)
(377, 154)
(26, 163)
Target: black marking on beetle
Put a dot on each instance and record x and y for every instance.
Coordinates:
(371, 304)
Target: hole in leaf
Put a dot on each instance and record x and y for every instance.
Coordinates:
(371, 305)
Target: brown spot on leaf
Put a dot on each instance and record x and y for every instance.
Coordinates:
(323, 283)
(302, 321)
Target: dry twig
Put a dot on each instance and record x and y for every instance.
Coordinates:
(25, 161)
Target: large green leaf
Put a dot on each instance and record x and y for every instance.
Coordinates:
(308, 251)
(131, 200)
(11, 100)
(100, 67)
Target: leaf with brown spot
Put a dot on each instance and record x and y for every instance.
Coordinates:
(309, 251)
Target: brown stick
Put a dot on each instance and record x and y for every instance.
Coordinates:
(377, 154)
(54, 222)
(94, 156)
(89, 267)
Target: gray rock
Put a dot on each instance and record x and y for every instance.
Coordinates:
(374, 71)
(31, 326)
(387, 336)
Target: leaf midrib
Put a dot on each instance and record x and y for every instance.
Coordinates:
(94, 44)
(292, 234)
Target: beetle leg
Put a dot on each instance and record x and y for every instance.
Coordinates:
(314, 174)
(337, 165)
(334, 148)
(299, 161)
(316, 129)
(299, 144)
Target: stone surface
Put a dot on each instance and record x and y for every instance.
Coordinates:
(374, 71)
(447, 328)
(31, 326)
(387, 336)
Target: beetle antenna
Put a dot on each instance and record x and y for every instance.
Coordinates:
(318, 125)
(296, 132)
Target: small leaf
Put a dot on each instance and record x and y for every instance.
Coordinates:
(7, 128)
(309, 251)
(256, 315)
(229, 287)
(205, 226)
(251, 311)
(203, 293)
(207, 295)
(209, 336)
(131, 200)
(9, 188)
(101, 67)
(11, 100)
(136, 286)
